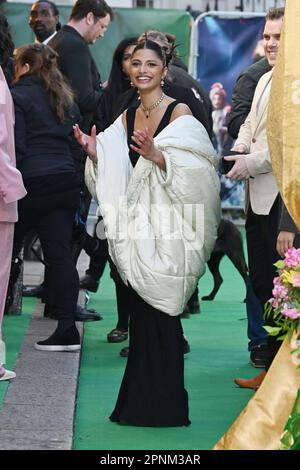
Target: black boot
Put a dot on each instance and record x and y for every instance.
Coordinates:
(65, 338)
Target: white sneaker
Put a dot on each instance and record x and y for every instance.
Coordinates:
(8, 374)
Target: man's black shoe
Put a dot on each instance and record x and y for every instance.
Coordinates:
(260, 356)
(33, 291)
(81, 314)
(87, 282)
(86, 314)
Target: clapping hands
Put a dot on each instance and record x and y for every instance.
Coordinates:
(144, 144)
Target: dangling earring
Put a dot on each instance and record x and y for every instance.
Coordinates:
(131, 84)
(162, 82)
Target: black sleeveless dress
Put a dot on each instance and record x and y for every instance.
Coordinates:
(152, 392)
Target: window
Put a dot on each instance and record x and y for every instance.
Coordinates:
(143, 3)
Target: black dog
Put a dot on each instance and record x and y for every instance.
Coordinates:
(230, 243)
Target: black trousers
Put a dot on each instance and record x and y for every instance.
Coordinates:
(97, 249)
(152, 392)
(52, 216)
(261, 233)
(83, 207)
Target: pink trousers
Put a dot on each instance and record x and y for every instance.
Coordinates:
(6, 244)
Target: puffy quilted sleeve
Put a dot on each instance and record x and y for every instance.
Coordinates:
(191, 181)
(91, 177)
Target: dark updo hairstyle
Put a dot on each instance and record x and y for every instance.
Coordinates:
(165, 40)
(42, 61)
(6, 43)
(164, 56)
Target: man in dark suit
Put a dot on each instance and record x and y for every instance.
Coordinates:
(44, 20)
(88, 21)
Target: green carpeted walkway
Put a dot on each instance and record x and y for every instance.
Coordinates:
(218, 354)
(14, 328)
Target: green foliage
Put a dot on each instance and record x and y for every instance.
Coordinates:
(290, 439)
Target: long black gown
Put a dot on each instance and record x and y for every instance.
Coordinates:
(152, 392)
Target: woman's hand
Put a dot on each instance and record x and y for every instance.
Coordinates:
(145, 147)
(88, 142)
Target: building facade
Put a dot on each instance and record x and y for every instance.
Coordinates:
(198, 5)
(203, 5)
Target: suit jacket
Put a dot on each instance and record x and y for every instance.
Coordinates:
(180, 77)
(77, 64)
(11, 183)
(242, 95)
(261, 188)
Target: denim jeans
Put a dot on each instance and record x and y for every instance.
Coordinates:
(257, 335)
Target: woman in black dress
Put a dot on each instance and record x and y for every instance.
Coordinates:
(152, 392)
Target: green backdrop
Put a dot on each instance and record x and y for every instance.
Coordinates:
(127, 22)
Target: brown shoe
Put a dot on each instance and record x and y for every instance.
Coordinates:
(254, 383)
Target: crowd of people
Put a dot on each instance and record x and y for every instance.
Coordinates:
(145, 145)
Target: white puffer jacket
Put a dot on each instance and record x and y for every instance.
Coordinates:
(161, 225)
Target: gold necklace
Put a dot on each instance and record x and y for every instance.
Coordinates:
(147, 109)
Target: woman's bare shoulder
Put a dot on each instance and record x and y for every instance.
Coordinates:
(181, 109)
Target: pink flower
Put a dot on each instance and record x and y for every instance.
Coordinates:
(280, 292)
(291, 313)
(285, 303)
(296, 280)
(292, 257)
(276, 280)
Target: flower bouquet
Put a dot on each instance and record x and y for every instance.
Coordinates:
(284, 306)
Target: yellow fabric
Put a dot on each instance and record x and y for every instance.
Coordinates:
(262, 421)
(284, 113)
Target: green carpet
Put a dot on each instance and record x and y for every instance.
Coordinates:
(14, 328)
(218, 354)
